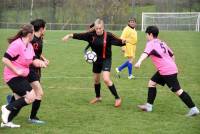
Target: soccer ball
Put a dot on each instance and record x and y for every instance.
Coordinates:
(90, 56)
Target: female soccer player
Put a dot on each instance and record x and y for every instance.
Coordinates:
(164, 60)
(100, 42)
(37, 43)
(17, 58)
(130, 35)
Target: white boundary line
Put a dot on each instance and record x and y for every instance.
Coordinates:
(85, 77)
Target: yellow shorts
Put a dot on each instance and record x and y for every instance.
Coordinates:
(130, 50)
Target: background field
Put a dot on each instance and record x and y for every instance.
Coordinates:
(68, 87)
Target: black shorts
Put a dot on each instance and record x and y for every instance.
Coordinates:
(32, 76)
(104, 65)
(19, 85)
(170, 80)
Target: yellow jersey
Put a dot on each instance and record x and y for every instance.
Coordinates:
(130, 35)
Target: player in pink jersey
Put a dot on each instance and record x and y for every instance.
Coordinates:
(164, 60)
(17, 58)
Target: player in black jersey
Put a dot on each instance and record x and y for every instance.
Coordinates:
(100, 42)
(37, 42)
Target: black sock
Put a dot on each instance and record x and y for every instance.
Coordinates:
(13, 114)
(35, 108)
(113, 91)
(187, 99)
(97, 89)
(17, 104)
(151, 95)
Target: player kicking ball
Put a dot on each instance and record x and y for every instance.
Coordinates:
(164, 60)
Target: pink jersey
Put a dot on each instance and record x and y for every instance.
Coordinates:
(161, 55)
(22, 57)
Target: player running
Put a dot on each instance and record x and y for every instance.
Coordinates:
(164, 60)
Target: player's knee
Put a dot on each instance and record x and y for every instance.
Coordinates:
(39, 95)
(152, 83)
(30, 97)
(178, 92)
(107, 81)
(96, 81)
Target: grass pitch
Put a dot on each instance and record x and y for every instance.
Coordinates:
(68, 87)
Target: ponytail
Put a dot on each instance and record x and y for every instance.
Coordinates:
(18, 35)
(24, 31)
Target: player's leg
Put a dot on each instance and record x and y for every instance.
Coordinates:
(152, 91)
(34, 78)
(173, 82)
(111, 86)
(97, 67)
(15, 112)
(97, 88)
(36, 104)
(124, 65)
(131, 57)
(21, 87)
(130, 67)
(12, 114)
(106, 78)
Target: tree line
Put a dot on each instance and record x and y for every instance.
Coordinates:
(86, 11)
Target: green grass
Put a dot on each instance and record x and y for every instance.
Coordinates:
(68, 87)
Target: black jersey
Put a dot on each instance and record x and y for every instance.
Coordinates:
(100, 44)
(37, 43)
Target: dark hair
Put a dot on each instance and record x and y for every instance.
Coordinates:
(37, 24)
(23, 32)
(154, 30)
(91, 27)
(132, 19)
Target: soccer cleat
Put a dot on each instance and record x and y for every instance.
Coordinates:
(118, 102)
(146, 107)
(36, 120)
(118, 72)
(95, 100)
(10, 124)
(193, 112)
(131, 77)
(8, 98)
(5, 114)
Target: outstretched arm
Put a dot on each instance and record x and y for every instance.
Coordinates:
(67, 37)
(86, 36)
(141, 59)
(114, 40)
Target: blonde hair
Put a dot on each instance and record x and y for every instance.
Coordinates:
(99, 22)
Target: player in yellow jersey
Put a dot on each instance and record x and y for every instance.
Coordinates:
(130, 35)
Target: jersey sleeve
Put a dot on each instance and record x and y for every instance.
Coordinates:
(82, 36)
(114, 40)
(13, 50)
(148, 49)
